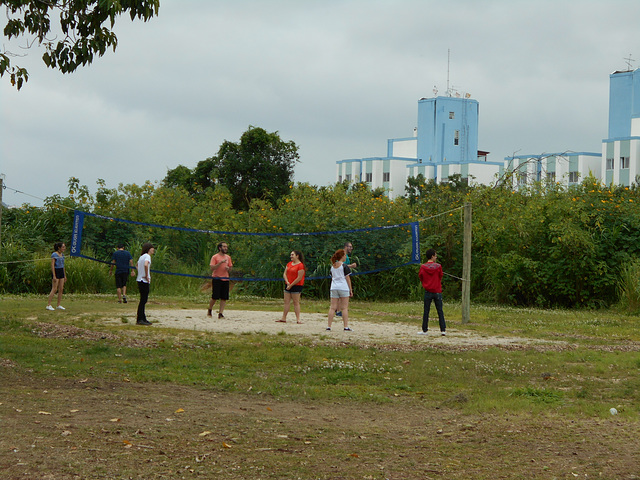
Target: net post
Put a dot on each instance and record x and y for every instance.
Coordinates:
(466, 266)
(415, 237)
(76, 236)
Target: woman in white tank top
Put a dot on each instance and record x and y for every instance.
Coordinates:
(341, 288)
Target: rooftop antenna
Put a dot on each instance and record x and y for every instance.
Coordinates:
(629, 60)
(448, 63)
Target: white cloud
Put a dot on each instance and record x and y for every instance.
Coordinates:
(336, 77)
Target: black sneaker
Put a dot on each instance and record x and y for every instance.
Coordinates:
(220, 316)
(143, 322)
(124, 299)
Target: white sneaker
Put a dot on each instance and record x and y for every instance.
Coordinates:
(444, 334)
(422, 333)
(60, 307)
(49, 307)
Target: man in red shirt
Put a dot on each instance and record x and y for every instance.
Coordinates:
(430, 275)
(221, 265)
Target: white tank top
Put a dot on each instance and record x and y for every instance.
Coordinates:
(339, 277)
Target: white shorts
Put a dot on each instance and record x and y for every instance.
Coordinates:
(338, 293)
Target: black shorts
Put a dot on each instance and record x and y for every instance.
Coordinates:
(59, 273)
(121, 279)
(220, 289)
(294, 289)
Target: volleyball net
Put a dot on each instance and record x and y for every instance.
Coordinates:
(256, 256)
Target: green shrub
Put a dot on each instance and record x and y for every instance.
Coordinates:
(629, 287)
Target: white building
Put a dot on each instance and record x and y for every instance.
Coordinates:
(444, 143)
(566, 168)
(619, 162)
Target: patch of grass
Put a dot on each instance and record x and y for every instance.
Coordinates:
(288, 366)
(285, 406)
(539, 395)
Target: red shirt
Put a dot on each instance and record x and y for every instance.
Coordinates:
(430, 275)
(292, 272)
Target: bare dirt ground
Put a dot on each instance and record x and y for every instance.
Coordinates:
(55, 428)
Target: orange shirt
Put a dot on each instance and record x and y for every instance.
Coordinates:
(292, 272)
(221, 272)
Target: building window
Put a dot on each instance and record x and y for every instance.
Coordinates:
(551, 177)
(369, 177)
(386, 176)
(347, 177)
(452, 115)
(624, 162)
(609, 163)
(522, 179)
(573, 177)
(456, 137)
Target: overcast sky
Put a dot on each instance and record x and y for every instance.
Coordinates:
(337, 77)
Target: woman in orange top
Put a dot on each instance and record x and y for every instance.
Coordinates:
(294, 278)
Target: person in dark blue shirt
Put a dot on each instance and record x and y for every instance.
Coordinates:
(123, 261)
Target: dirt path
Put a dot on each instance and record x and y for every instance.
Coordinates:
(315, 324)
(70, 429)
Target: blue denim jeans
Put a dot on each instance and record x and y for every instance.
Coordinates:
(437, 299)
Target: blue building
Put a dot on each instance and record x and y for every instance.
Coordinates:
(447, 130)
(444, 143)
(621, 150)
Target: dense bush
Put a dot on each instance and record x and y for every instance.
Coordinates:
(545, 245)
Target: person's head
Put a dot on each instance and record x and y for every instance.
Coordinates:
(59, 246)
(339, 255)
(297, 254)
(223, 247)
(121, 246)
(348, 247)
(148, 248)
(430, 254)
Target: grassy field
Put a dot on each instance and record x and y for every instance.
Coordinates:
(85, 397)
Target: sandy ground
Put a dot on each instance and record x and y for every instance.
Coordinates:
(315, 324)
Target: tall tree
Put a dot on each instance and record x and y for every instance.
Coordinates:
(180, 176)
(259, 166)
(82, 23)
(195, 180)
